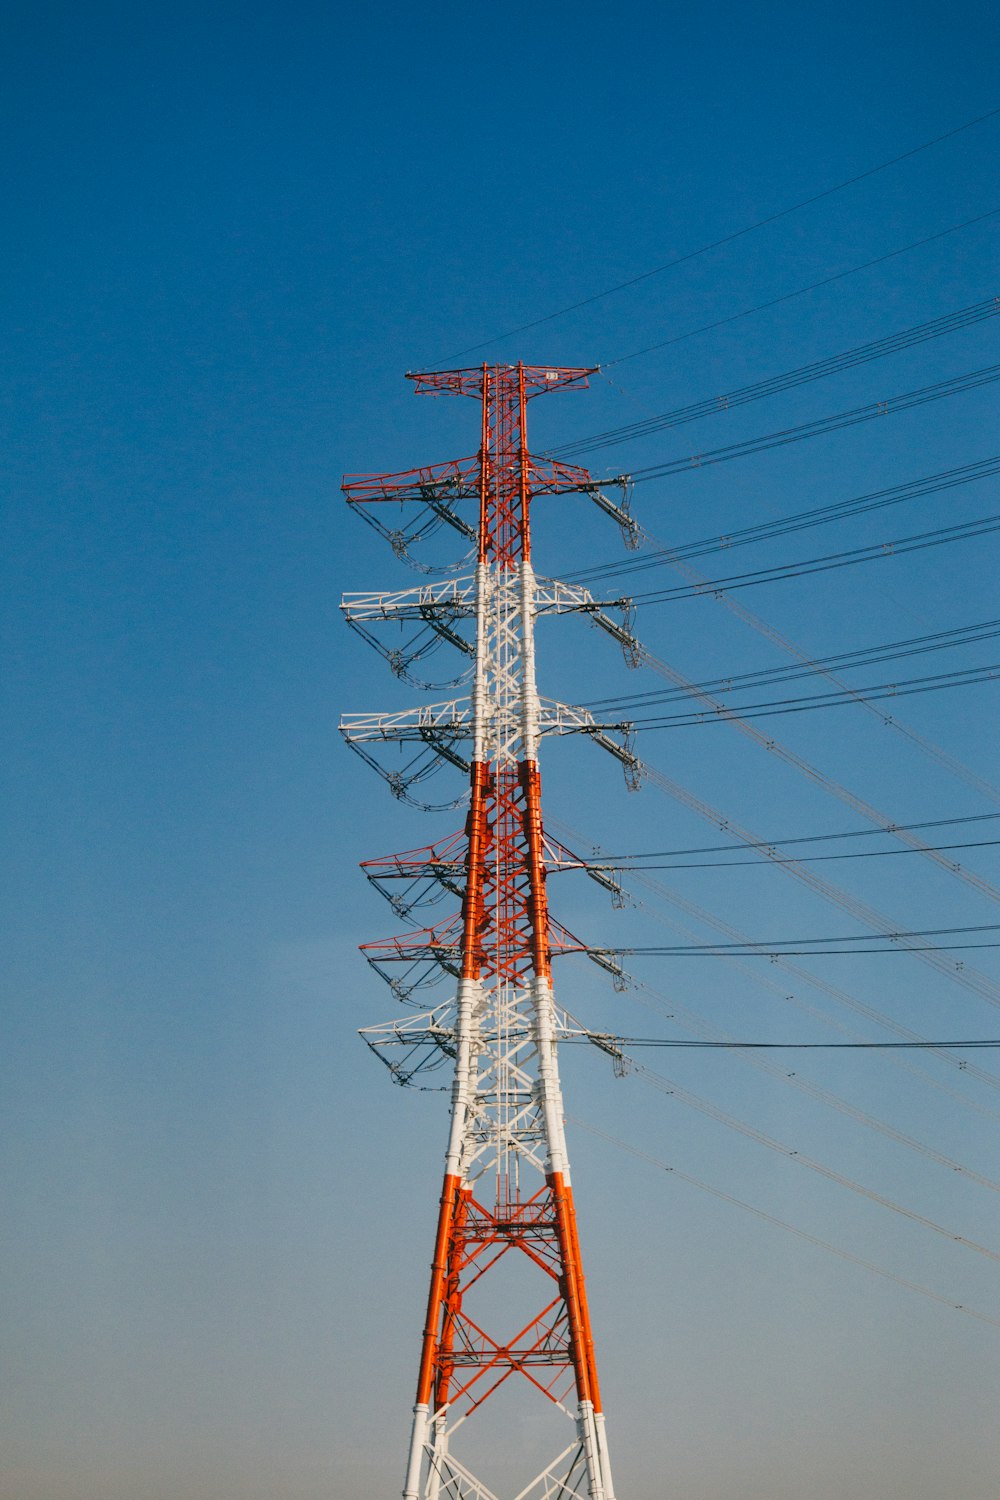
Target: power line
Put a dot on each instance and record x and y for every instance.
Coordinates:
(905, 688)
(917, 542)
(704, 1106)
(810, 838)
(773, 746)
(939, 640)
(705, 1031)
(680, 1014)
(792, 953)
(775, 637)
(768, 945)
(906, 401)
(896, 494)
(607, 1038)
(674, 1010)
(611, 1040)
(957, 972)
(768, 1218)
(819, 369)
(814, 286)
(807, 859)
(725, 240)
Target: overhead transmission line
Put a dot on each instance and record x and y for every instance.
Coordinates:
(704, 1106)
(955, 386)
(620, 860)
(625, 1065)
(905, 687)
(704, 1030)
(636, 861)
(960, 973)
(897, 546)
(769, 743)
(818, 369)
(919, 645)
(805, 520)
(727, 239)
(710, 1038)
(769, 1218)
(765, 741)
(890, 721)
(700, 1044)
(761, 947)
(813, 286)
(674, 1010)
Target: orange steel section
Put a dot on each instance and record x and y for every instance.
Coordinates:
(538, 907)
(477, 833)
(445, 1362)
(574, 1290)
(439, 1266)
(524, 464)
(485, 470)
(504, 535)
(505, 940)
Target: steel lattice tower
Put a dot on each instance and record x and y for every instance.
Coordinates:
(506, 1190)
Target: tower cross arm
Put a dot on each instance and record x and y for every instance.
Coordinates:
(409, 723)
(454, 479)
(549, 476)
(455, 595)
(567, 718)
(470, 382)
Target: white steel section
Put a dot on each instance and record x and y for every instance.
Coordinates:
(438, 1453)
(529, 691)
(453, 1481)
(479, 702)
(455, 594)
(458, 594)
(565, 1478)
(500, 728)
(406, 723)
(566, 718)
(553, 596)
(504, 1124)
(501, 651)
(549, 1088)
(469, 1007)
(556, 1482)
(603, 1455)
(418, 1440)
(587, 1428)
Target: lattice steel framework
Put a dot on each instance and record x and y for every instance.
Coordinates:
(506, 1190)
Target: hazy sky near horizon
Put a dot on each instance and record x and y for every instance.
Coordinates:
(229, 232)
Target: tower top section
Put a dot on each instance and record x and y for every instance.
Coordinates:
(503, 477)
(533, 379)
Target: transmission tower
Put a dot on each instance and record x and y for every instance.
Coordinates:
(506, 1191)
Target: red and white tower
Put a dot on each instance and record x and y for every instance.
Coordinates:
(506, 1191)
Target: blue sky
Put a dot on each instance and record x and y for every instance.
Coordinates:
(229, 231)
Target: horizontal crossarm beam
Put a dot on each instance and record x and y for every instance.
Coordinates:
(469, 382)
(454, 718)
(454, 479)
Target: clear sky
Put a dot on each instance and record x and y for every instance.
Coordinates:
(229, 231)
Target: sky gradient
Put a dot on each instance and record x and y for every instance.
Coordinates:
(229, 232)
